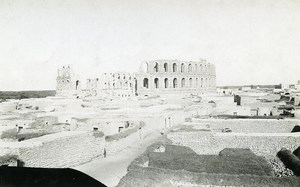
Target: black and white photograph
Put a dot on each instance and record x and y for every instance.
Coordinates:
(149, 93)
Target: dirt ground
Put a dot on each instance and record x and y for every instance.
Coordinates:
(111, 169)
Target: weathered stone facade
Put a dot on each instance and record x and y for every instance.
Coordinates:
(119, 84)
(173, 76)
(67, 83)
(155, 77)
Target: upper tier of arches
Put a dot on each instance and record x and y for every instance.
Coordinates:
(178, 67)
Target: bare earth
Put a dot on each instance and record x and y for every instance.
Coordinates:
(110, 170)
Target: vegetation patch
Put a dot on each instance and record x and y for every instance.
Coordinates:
(290, 160)
(26, 94)
(27, 136)
(98, 134)
(14, 135)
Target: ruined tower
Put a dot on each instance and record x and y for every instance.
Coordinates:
(67, 83)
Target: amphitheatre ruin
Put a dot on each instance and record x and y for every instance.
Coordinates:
(166, 125)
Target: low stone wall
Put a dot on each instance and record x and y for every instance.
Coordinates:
(262, 144)
(58, 150)
(249, 125)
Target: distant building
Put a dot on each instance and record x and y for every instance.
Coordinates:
(173, 76)
(155, 77)
(67, 82)
(285, 86)
(118, 84)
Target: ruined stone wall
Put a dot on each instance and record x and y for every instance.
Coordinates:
(107, 126)
(64, 149)
(166, 76)
(119, 84)
(262, 144)
(248, 125)
(67, 82)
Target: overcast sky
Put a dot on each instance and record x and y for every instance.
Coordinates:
(250, 42)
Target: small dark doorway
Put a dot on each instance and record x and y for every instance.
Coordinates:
(77, 84)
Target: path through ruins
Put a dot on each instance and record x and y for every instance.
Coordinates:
(111, 169)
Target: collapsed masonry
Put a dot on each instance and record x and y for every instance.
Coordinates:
(155, 77)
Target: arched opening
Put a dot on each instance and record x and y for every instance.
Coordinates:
(206, 82)
(77, 84)
(183, 82)
(145, 83)
(182, 67)
(190, 82)
(166, 83)
(174, 67)
(156, 83)
(144, 67)
(166, 67)
(197, 83)
(190, 68)
(175, 83)
(201, 68)
(201, 84)
(196, 68)
(156, 67)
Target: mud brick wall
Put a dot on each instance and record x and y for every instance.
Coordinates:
(262, 144)
(73, 148)
(249, 125)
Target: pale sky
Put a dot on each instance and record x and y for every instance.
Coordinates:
(249, 41)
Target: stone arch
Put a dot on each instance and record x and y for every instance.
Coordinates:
(146, 83)
(175, 83)
(156, 83)
(174, 67)
(197, 83)
(155, 68)
(166, 81)
(183, 82)
(144, 67)
(190, 69)
(182, 67)
(166, 67)
(190, 82)
(201, 85)
(196, 68)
